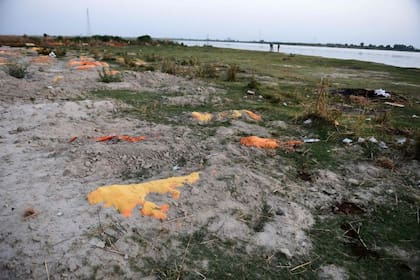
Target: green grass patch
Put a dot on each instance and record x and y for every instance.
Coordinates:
(382, 229)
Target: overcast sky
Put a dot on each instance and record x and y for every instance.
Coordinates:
(317, 21)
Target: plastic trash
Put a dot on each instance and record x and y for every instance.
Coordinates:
(347, 141)
(382, 92)
(401, 141)
(373, 140)
(308, 121)
(52, 54)
(383, 145)
(311, 140)
(361, 140)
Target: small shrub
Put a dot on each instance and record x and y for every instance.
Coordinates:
(253, 84)
(17, 70)
(151, 57)
(321, 106)
(44, 51)
(231, 73)
(107, 76)
(169, 66)
(207, 70)
(384, 118)
(191, 61)
(60, 52)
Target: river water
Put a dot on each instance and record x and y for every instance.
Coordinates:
(394, 58)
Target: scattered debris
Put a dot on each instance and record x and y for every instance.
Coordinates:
(382, 93)
(57, 79)
(415, 116)
(125, 198)
(385, 162)
(52, 55)
(305, 176)
(347, 208)
(361, 100)
(74, 138)
(383, 145)
(373, 140)
(308, 121)
(29, 213)
(347, 141)
(357, 244)
(290, 145)
(367, 93)
(395, 104)
(401, 141)
(311, 140)
(250, 92)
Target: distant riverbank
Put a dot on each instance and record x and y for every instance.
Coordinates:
(395, 58)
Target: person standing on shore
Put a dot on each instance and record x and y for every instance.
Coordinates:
(278, 47)
(271, 47)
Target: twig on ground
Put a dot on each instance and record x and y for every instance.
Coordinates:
(112, 251)
(61, 241)
(177, 219)
(46, 269)
(200, 274)
(304, 264)
(418, 215)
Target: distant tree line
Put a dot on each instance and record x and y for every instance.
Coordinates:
(47, 40)
(395, 47)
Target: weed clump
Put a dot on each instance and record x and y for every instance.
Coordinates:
(169, 66)
(108, 76)
(231, 73)
(253, 84)
(17, 70)
(191, 61)
(207, 70)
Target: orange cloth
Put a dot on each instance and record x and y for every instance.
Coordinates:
(125, 198)
(255, 141)
(131, 139)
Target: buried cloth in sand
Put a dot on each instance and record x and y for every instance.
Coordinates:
(125, 198)
(225, 115)
(86, 64)
(267, 143)
(255, 141)
(131, 139)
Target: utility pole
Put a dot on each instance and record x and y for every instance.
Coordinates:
(88, 22)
